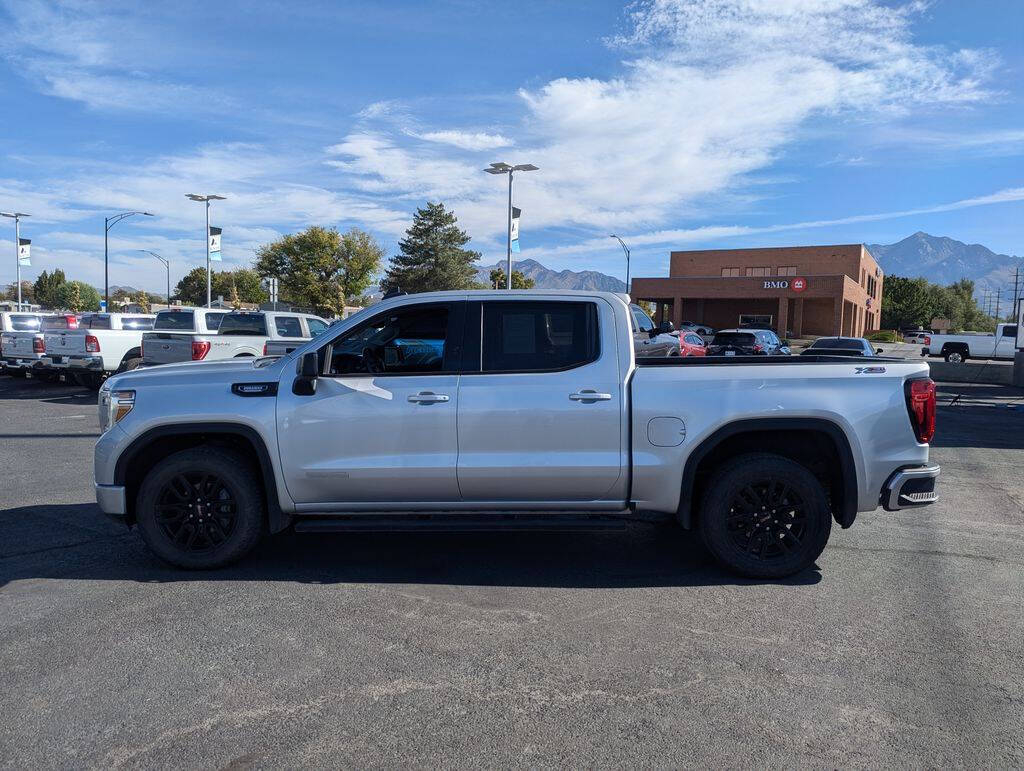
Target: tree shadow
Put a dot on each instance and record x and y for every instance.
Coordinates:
(77, 542)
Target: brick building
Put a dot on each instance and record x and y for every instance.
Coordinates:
(797, 290)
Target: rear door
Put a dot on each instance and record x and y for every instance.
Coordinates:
(540, 404)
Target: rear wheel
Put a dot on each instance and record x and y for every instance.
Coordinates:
(765, 516)
(129, 364)
(954, 356)
(201, 508)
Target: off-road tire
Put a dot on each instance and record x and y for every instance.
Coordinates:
(171, 502)
(764, 516)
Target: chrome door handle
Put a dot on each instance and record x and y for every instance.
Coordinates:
(589, 395)
(428, 397)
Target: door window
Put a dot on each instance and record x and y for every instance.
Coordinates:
(213, 320)
(316, 326)
(288, 326)
(1010, 330)
(538, 336)
(643, 321)
(404, 340)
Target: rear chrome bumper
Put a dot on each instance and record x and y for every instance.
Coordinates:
(909, 488)
(93, 363)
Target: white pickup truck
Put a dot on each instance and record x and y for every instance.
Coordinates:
(509, 411)
(103, 344)
(959, 348)
(181, 334)
(12, 351)
(240, 334)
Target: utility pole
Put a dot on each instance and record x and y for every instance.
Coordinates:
(16, 216)
(626, 250)
(207, 199)
(999, 294)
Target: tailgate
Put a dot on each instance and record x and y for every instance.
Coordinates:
(65, 343)
(166, 347)
(19, 345)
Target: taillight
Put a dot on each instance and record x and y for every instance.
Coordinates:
(758, 348)
(38, 345)
(199, 349)
(72, 322)
(92, 345)
(927, 340)
(264, 349)
(921, 406)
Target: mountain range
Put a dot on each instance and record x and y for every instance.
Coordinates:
(545, 278)
(943, 260)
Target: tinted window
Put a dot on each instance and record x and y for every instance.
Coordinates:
(845, 344)
(288, 326)
(136, 322)
(174, 320)
(643, 321)
(733, 338)
(22, 322)
(243, 324)
(1010, 330)
(530, 337)
(694, 340)
(97, 322)
(316, 326)
(400, 341)
(55, 322)
(213, 320)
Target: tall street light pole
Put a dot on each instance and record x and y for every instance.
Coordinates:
(167, 264)
(16, 216)
(626, 250)
(108, 223)
(504, 168)
(207, 199)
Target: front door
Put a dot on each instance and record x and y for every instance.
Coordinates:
(541, 404)
(381, 426)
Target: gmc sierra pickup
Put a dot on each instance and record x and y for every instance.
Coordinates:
(511, 410)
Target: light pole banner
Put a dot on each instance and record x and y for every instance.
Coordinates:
(25, 252)
(515, 228)
(215, 243)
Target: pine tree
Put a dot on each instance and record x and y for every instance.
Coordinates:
(432, 258)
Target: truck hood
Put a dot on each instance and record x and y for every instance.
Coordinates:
(196, 372)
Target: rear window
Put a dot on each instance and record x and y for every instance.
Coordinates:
(24, 322)
(733, 338)
(288, 326)
(136, 322)
(213, 320)
(838, 343)
(95, 322)
(175, 321)
(243, 324)
(55, 322)
(538, 336)
(316, 326)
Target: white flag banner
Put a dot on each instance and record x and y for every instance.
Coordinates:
(215, 243)
(515, 228)
(25, 252)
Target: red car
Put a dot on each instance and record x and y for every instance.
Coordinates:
(691, 344)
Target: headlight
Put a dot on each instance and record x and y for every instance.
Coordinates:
(114, 405)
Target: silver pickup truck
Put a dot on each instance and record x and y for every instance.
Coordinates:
(509, 411)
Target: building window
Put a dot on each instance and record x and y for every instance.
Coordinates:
(787, 270)
(759, 271)
(730, 272)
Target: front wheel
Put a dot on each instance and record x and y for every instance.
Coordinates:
(201, 508)
(765, 516)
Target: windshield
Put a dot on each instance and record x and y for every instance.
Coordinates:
(243, 324)
(175, 321)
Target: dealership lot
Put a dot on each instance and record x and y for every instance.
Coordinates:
(511, 649)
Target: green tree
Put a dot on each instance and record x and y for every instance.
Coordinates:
(46, 286)
(432, 256)
(78, 296)
(28, 292)
(519, 279)
(906, 302)
(191, 290)
(320, 268)
(143, 301)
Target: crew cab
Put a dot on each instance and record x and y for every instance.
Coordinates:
(508, 411)
(103, 343)
(11, 350)
(959, 348)
(244, 334)
(180, 334)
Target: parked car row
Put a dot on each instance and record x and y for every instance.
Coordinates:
(87, 348)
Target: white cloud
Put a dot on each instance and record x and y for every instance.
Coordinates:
(466, 140)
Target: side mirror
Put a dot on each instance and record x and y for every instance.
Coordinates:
(879, 352)
(665, 327)
(308, 370)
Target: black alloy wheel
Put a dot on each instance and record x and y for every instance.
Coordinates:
(196, 511)
(767, 519)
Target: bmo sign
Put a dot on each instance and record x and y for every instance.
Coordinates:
(797, 284)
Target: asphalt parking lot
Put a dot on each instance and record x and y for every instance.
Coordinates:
(904, 648)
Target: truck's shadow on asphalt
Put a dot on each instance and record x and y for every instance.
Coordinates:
(75, 542)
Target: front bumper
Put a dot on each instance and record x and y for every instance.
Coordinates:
(111, 499)
(910, 488)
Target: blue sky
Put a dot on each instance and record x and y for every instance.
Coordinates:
(676, 123)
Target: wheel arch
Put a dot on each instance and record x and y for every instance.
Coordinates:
(154, 445)
(804, 440)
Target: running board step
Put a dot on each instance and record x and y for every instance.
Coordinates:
(452, 524)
